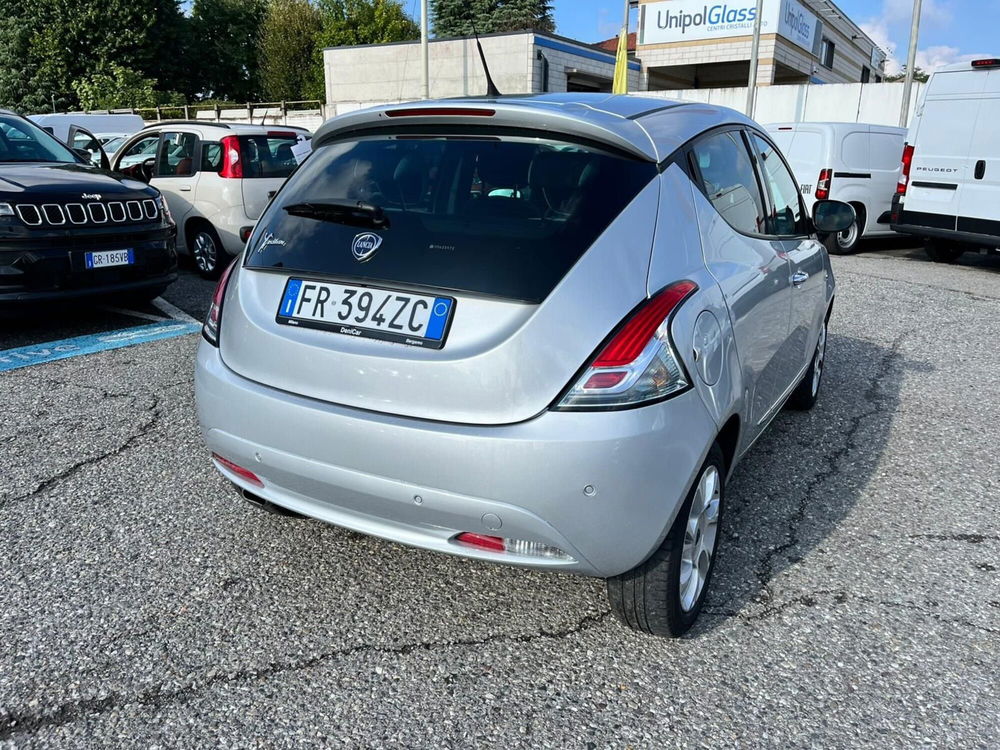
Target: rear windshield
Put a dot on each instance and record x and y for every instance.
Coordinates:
(268, 155)
(505, 217)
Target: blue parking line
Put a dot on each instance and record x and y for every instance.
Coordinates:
(25, 356)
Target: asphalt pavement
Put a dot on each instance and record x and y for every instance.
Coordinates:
(856, 603)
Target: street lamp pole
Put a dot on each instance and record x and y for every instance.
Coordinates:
(424, 51)
(911, 62)
(754, 55)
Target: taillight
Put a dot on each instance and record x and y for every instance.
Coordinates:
(213, 321)
(904, 175)
(238, 470)
(638, 364)
(232, 164)
(823, 184)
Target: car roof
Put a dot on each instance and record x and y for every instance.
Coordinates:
(238, 127)
(645, 127)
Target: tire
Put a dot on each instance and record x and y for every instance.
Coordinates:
(207, 252)
(942, 252)
(806, 393)
(651, 597)
(847, 242)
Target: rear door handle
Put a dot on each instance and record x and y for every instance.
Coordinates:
(186, 188)
(799, 278)
(980, 169)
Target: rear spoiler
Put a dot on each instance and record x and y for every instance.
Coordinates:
(573, 120)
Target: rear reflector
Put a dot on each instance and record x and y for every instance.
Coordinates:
(991, 62)
(482, 541)
(245, 233)
(238, 470)
(510, 546)
(440, 112)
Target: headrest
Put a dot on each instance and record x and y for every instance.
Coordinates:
(499, 165)
(562, 171)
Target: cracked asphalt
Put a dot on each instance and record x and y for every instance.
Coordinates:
(856, 603)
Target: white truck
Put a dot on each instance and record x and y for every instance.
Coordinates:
(949, 188)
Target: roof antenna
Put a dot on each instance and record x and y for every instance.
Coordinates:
(491, 88)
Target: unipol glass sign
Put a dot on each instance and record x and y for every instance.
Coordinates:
(693, 20)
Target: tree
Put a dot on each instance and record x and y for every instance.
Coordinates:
(225, 49)
(48, 45)
(919, 74)
(115, 87)
(287, 45)
(457, 17)
(351, 22)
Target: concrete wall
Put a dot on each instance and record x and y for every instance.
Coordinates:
(394, 72)
(876, 103)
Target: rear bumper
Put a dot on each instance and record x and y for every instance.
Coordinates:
(939, 226)
(421, 483)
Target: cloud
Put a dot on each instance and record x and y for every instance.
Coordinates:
(893, 22)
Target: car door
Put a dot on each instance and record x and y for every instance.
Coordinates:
(175, 173)
(751, 268)
(978, 211)
(81, 138)
(791, 228)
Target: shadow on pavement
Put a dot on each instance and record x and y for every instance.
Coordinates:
(800, 482)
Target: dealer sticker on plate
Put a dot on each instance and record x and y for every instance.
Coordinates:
(367, 312)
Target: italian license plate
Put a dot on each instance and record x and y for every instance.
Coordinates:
(367, 312)
(106, 258)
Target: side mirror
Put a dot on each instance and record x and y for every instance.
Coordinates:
(830, 217)
(84, 154)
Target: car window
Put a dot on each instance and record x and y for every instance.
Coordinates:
(211, 157)
(142, 147)
(502, 216)
(787, 217)
(268, 155)
(176, 156)
(727, 177)
(23, 141)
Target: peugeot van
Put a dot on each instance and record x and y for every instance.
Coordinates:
(853, 162)
(949, 190)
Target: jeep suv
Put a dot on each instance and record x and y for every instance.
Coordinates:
(70, 229)
(216, 177)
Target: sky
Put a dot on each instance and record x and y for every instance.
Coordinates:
(951, 30)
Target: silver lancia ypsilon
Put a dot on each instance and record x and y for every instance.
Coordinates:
(531, 330)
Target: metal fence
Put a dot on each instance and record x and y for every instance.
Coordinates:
(266, 113)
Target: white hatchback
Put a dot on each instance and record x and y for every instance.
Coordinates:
(216, 178)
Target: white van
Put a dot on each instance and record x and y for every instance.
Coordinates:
(852, 162)
(949, 189)
(82, 132)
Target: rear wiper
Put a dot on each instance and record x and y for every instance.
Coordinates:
(352, 213)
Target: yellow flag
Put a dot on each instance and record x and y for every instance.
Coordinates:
(620, 85)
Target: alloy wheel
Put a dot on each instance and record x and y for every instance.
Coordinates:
(818, 359)
(700, 536)
(205, 252)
